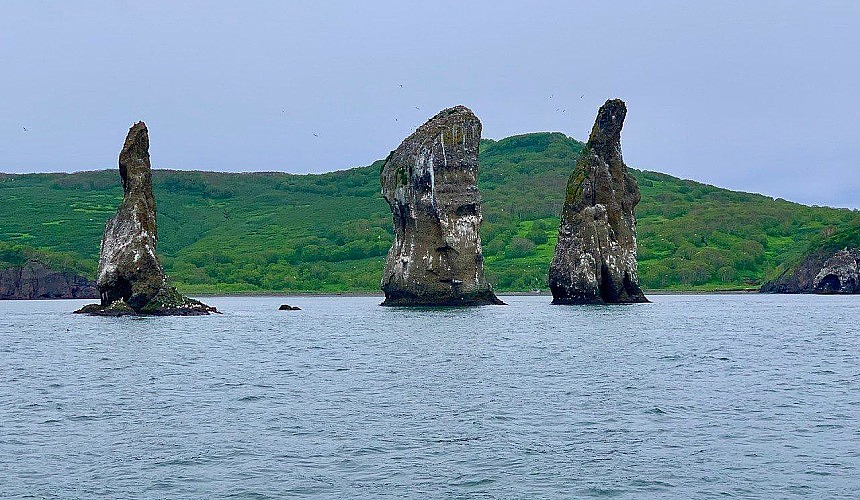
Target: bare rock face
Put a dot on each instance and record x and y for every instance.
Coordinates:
(800, 279)
(595, 257)
(34, 280)
(130, 277)
(821, 271)
(431, 184)
(840, 274)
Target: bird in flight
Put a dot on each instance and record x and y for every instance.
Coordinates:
(316, 135)
(416, 107)
(25, 129)
(401, 85)
(583, 95)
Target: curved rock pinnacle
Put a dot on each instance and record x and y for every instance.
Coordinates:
(595, 257)
(128, 266)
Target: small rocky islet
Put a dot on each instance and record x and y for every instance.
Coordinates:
(131, 280)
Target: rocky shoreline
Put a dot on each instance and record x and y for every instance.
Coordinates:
(35, 280)
(822, 272)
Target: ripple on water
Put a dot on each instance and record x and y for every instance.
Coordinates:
(688, 397)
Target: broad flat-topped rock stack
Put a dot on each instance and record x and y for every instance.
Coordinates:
(431, 184)
(130, 277)
(595, 257)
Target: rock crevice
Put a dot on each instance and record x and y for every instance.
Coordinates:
(821, 271)
(840, 273)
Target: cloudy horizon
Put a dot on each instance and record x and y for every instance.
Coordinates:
(758, 98)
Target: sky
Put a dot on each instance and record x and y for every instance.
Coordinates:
(757, 96)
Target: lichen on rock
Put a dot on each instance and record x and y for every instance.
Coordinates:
(131, 279)
(431, 184)
(595, 257)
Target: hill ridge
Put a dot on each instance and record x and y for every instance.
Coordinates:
(328, 232)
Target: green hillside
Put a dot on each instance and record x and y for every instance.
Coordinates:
(225, 232)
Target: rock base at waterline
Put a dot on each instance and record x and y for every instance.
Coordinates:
(167, 302)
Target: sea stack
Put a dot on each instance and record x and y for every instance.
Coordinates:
(595, 257)
(431, 184)
(130, 277)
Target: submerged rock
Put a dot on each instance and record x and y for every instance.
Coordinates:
(840, 274)
(130, 277)
(431, 184)
(595, 257)
(34, 280)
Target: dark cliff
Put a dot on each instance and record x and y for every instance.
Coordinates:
(34, 280)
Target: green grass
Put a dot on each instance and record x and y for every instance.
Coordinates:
(225, 232)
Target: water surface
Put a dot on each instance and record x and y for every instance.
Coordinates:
(694, 396)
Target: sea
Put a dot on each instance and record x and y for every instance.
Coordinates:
(690, 396)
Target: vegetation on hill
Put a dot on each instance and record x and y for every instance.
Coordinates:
(226, 232)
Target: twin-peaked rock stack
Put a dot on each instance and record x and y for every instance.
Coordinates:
(595, 257)
(130, 277)
(431, 184)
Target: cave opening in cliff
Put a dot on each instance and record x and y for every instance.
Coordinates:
(829, 284)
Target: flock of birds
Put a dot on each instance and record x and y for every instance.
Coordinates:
(400, 85)
(316, 134)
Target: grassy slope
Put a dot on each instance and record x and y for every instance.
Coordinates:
(330, 232)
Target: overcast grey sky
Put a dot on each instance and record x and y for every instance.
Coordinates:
(759, 96)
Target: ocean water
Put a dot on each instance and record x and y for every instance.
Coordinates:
(694, 396)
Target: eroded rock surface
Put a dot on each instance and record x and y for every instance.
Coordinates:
(431, 184)
(128, 267)
(800, 279)
(840, 274)
(34, 280)
(130, 277)
(595, 257)
(821, 271)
